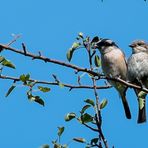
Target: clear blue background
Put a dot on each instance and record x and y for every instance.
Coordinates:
(51, 27)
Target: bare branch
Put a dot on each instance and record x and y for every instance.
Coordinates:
(56, 83)
(125, 83)
(45, 59)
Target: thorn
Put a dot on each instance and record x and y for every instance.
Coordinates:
(1, 48)
(106, 83)
(40, 53)
(76, 71)
(79, 78)
(24, 49)
(46, 60)
(55, 78)
(70, 89)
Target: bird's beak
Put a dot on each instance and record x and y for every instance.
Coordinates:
(131, 45)
(97, 44)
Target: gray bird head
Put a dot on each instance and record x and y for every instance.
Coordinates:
(105, 45)
(139, 46)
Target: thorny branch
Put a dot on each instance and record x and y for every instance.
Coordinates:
(45, 59)
(77, 68)
(56, 83)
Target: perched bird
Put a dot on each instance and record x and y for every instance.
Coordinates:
(138, 72)
(114, 65)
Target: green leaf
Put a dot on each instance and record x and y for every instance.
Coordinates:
(31, 97)
(10, 90)
(24, 78)
(70, 116)
(56, 145)
(71, 50)
(70, 54)
(29, 94)
(94, 141)
(43, 89)
(142, 94)
(45, 146)
(7, 63)
(60, 131)
(27, 76)
(85, 108)
(89, 101)
(103, 103)
(81, 140)
(80, 35)
(86, 118)
(35, 99)
(2, 59)
(76, 45)
(97, 61)
(141, 99)
(65, 146)
(141, 103)
(39, 100)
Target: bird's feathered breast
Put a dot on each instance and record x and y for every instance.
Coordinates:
(112, 66)
(138, 66)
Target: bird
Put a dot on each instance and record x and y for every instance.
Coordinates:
(138, 72)
(113, 65)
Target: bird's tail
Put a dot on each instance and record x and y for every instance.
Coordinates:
(126, 106)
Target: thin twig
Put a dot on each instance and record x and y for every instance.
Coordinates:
(14, 40)
(93, 129)
(101, 133)
(55, 83)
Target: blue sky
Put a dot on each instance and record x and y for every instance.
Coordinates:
(51, 27)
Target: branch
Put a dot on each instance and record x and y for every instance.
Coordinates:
(46, 59)
(56, 83)
(101, 132)
(125, 83)
(101, 76)
(93, 129)
(98, 116)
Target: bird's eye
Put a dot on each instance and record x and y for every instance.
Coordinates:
(139, 44)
